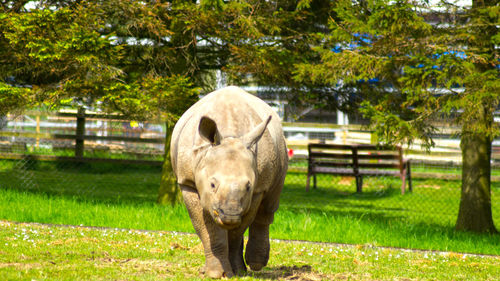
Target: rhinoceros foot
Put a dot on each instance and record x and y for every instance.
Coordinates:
(213, 269)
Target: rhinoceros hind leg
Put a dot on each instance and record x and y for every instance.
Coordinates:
(257, 250)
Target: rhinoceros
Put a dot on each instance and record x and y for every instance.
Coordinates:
(230, 159)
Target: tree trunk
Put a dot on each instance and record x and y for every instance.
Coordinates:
(475, 203)
(80, 132)
(169, 190)
(477, 131)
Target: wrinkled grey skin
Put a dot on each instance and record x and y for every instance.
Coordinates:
(229, 155)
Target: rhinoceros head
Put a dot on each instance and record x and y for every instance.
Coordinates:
(226, 172)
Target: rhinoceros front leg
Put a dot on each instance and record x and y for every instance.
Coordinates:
(236, 240)
(236, 253)
(213, 238)
(258, 246)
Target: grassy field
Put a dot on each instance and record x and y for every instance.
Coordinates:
(124, 196)
(41, 252)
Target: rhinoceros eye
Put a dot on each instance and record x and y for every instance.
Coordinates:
(213, 183)
(248, 186)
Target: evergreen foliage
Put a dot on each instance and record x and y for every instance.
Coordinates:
(408, 63)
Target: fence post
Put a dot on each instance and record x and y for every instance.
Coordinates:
(37, 131)
(359, 178)
(80, 132)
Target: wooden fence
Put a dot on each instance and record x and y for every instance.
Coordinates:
(77, 130)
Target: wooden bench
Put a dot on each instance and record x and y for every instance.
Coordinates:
(358, 161)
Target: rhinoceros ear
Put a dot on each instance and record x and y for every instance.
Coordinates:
(208, 130)
(254, 136)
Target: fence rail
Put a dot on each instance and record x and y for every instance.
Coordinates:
(99, 131)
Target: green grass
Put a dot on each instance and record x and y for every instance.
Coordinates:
(123, 196)
(41, 252)
(423, 219)
(37, 207)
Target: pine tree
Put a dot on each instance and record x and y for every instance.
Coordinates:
(423, 63)
(143, 58)
(127, 56)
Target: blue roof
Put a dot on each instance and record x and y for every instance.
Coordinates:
(367, 39)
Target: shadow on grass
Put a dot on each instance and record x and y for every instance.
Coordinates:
(138, 184)
(377, 210)
(294, 197)
(287, 273)
(90, 182)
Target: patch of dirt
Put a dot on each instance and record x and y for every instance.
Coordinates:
(299, 273)
(346, 180)
(147, 265)
(178, 246)
(198, 249)
(430, 186)
(21, 266)
(159, 268)
(305, 273)
(136, 265)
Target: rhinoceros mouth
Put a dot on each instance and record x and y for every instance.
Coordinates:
(228, 221)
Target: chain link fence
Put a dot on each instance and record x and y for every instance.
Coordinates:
(122, 162)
